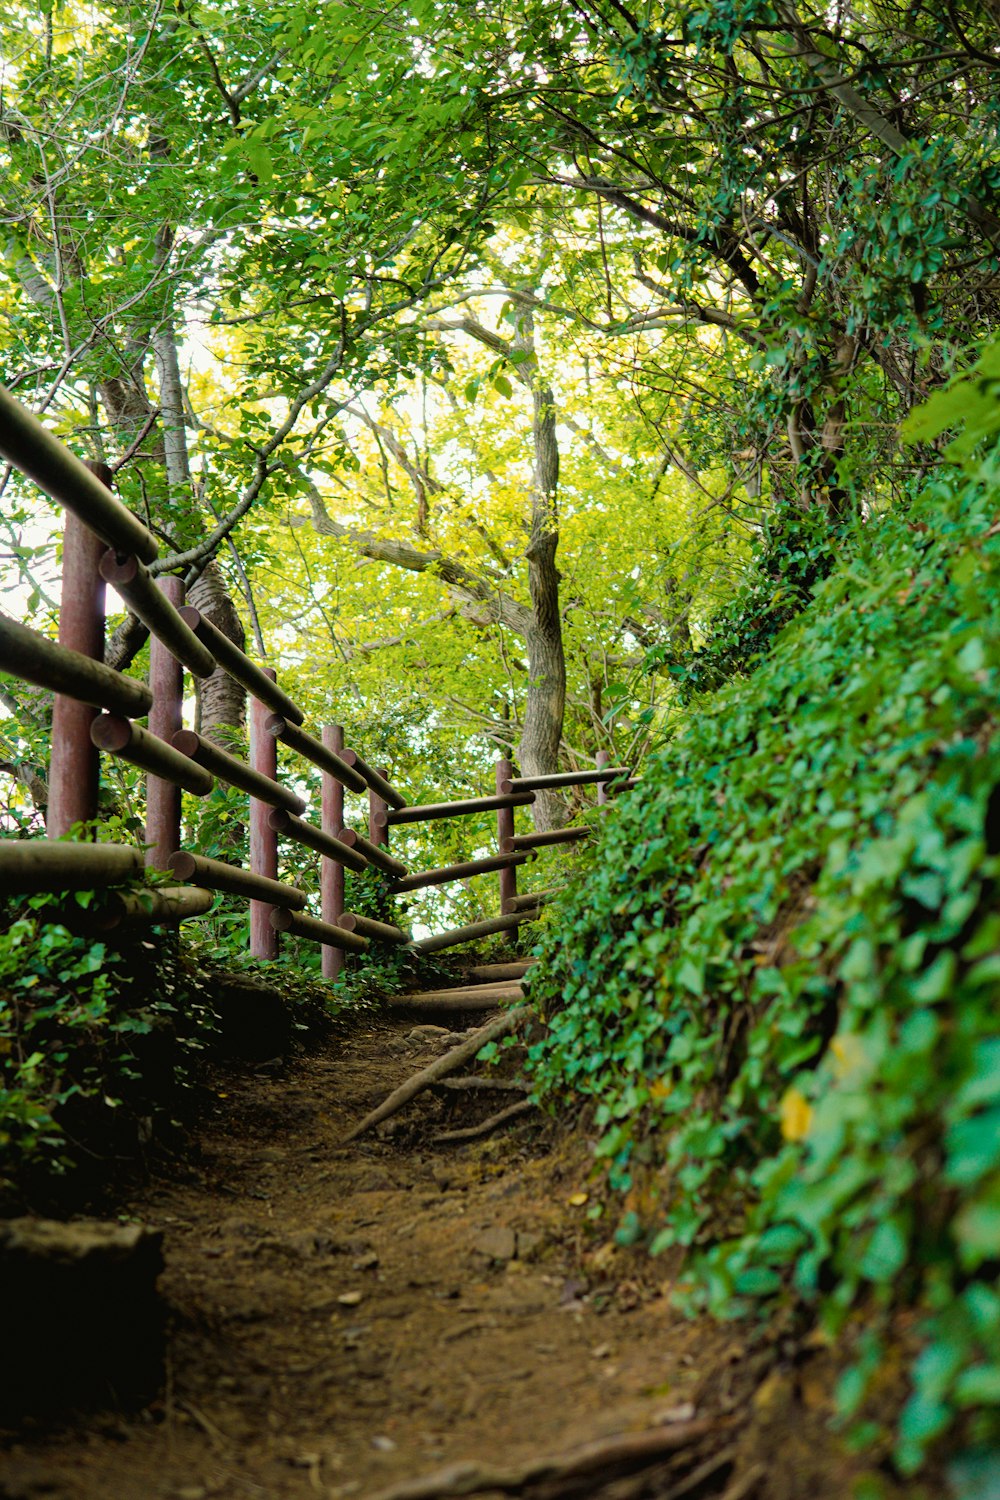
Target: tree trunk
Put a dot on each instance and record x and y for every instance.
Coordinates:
(221, 700)
(538, 751)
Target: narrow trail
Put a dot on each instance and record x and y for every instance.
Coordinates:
(347, 1319)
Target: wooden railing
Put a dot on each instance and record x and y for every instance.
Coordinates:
(95, 711)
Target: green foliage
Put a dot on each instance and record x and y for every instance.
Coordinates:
(97, 1045)
(778, 982)
(795, 551)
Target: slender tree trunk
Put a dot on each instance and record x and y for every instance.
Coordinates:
(221, 700)
(545, 705)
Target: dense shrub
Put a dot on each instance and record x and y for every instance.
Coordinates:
(779, 979)
(98, 1046)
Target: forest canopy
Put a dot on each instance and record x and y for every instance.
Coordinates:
(485, 350)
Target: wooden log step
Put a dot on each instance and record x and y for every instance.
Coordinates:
(478, 997)
(485, 973)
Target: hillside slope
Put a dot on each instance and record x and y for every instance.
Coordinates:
(778, 980)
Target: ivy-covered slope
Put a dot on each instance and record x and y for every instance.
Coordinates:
(779, 979)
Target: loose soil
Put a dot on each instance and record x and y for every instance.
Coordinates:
(348, 1318)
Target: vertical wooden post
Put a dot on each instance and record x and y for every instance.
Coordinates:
(331, 871)
(603, 756)
(163, 799)
(505, 830)
(376, 805)
(74, 767)
(263, 840)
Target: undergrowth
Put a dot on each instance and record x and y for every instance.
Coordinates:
(99, 1046)
(778, 980)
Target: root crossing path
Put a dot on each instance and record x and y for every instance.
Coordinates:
(399, 1319)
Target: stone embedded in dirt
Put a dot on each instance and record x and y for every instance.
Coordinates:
(528, 1244)
(82, 1314)
(427, 1033)
(497, 1242)
(383, 1444)
(684, 1412)
(350, 1299)
(367, 1262)
(310, 1242)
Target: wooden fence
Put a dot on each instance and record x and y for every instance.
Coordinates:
(96, 709)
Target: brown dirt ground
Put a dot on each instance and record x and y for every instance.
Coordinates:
(344, 1319)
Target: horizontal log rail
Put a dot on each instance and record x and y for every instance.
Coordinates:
(468, 934)
(530, 901)
(627, 784)
(375, 780)
(216, 875)
(447, 873)
(562, 778)
(34, 658)
(423, 812)
(174, 757)
(130, 742)
(31, 447)
(318, 932)
(164, 905)
(235, 772)
(239, 666)
(381, 932)
(314, 838)
(375, 854)
(544, 840)
(135, 585)
(30, 865)
(303, 744)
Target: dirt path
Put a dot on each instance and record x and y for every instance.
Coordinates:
(346, 1319)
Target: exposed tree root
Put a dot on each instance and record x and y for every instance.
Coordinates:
(593, 1462)
(449, 1063)
(474, 1132)
(508, 1085)
(747, 1484)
